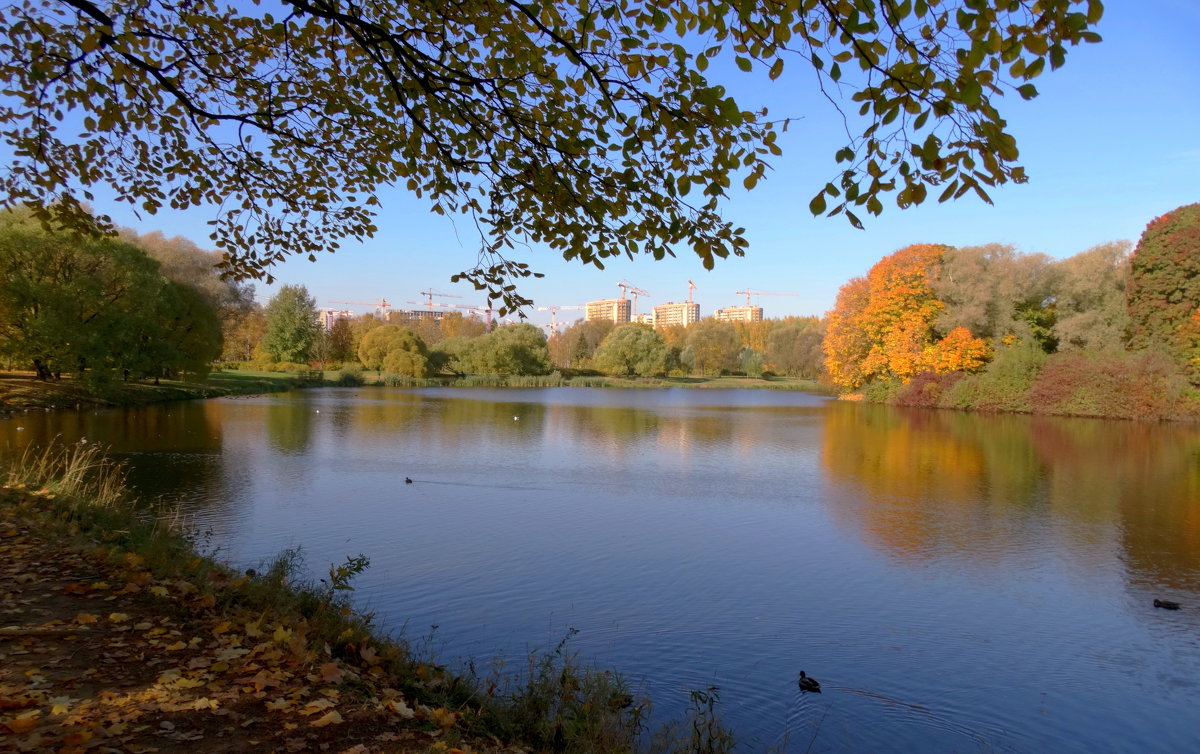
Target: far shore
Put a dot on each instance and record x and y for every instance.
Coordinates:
(22, 391)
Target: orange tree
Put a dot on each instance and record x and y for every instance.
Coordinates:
(882, 327)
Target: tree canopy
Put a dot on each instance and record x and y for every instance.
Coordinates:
(590, 128)
(291, 324)
(95, 305)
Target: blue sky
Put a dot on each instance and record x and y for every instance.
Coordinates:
(1112, 141)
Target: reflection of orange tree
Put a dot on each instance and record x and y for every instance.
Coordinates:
(927, 483)
(910, 485)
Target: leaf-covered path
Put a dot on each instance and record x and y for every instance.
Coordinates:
(98, 654)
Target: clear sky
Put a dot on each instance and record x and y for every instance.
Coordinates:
(1112, 141)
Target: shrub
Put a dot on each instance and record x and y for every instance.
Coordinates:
(880, 391)
(925, 390)
(350, 376)
(1141, 385)
(1003, 385)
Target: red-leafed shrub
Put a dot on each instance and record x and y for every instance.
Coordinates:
(1141, 385)
(925, 390)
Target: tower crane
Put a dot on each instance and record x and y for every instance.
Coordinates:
(381, 305)
(429, 294)
(553, 311)
(750, 293)
(691, 287)
(626, 286)
(488, 310)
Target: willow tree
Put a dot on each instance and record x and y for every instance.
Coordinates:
(588, 126)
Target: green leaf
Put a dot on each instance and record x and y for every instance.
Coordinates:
(817, 205)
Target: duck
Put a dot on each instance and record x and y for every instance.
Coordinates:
(408, 480)
(1166, 604)
(808, 684)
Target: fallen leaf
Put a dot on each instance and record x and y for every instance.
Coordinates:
(84, 618)
(443, 717)
(331, 673)
(160, 591)
(222, 627)
(25, 723)
(118, 617)
(329, 718)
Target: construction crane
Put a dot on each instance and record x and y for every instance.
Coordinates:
(488, 310)
(429, 294)
(381, 305)
(553, 311)
(626, 286)
(750, 293)
(691, 287)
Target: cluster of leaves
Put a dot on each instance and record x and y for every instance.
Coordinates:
(98, 305)
(590, 129)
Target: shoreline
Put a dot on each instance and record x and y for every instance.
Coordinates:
(116, 631)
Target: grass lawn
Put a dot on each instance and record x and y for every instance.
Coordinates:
(19, 390)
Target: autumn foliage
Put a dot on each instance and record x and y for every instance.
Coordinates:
(883, 327)
(1163, 295)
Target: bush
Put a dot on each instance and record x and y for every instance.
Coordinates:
(1003, 385)
(880, 391)
(925, 390)
(350, 376)
(1141, 385)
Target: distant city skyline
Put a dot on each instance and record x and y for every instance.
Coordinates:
(1112, 141)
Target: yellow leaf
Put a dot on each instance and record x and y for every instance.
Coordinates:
(176, 646)
(443, 717)
(61, 705)
(222, 627)
(205, 703)
(314, 707)
(84, 618)
(329, 718)
(118, 617)
(282, 634)
(159, 591)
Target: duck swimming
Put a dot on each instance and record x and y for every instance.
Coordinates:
(808, 684)
(407, 480)
(1166, 604)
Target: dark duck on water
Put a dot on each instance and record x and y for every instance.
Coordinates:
(808, 684)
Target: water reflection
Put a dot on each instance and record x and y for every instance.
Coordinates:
(959, 581)
(923, 485)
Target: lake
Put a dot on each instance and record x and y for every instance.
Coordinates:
(956, 582)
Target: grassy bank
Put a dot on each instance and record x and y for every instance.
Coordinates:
(20, 390)
(119, 633)
(595, 381)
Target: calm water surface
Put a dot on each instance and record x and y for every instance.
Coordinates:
(956, 582)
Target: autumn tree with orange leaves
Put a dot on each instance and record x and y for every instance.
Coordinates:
(882, 327)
